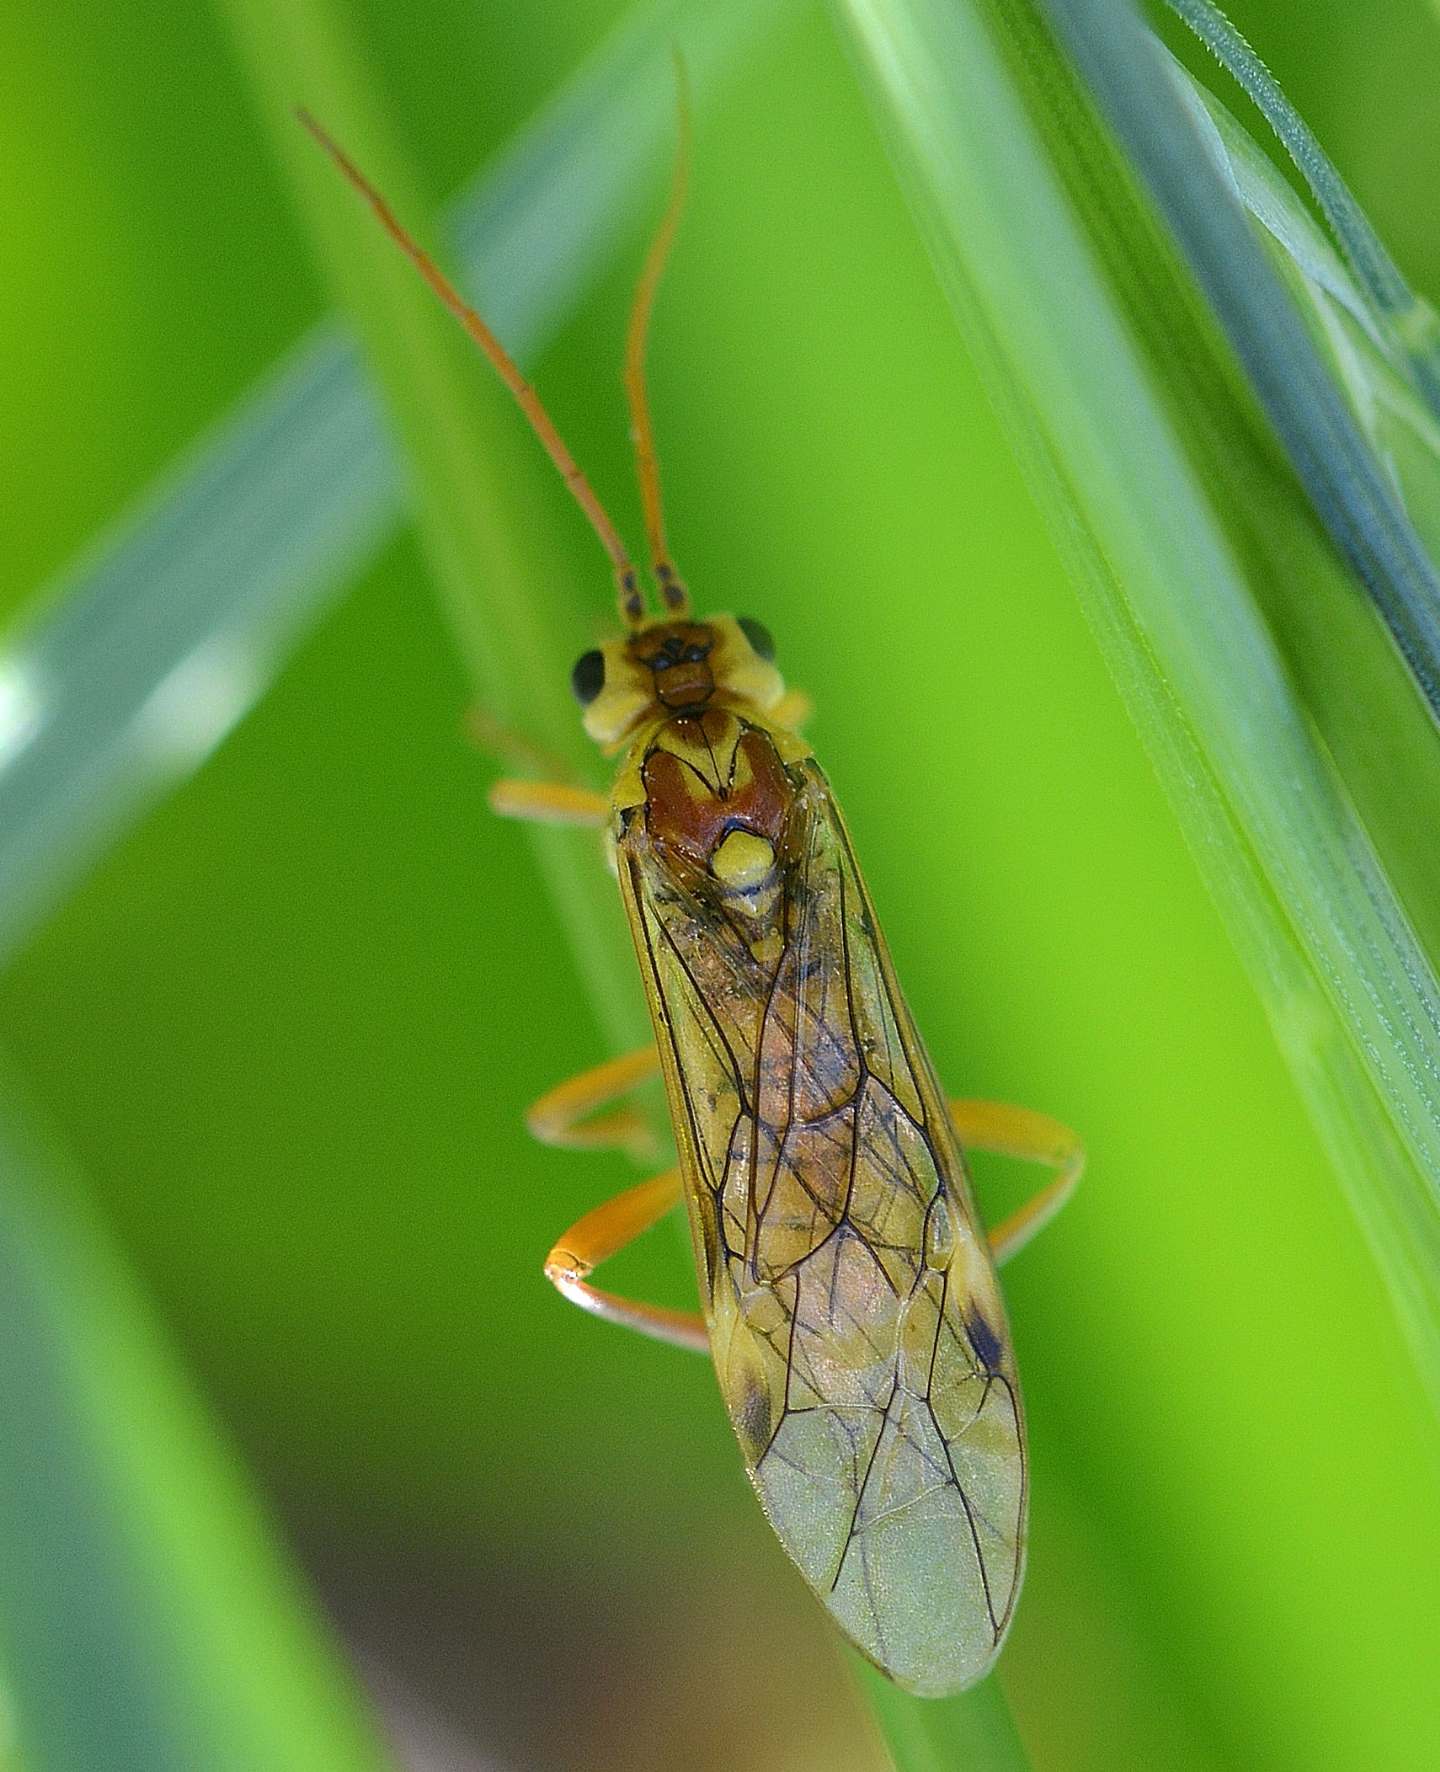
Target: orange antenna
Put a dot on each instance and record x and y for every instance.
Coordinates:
(632, 608)
(673, 593)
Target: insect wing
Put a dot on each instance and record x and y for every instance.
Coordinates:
(855, 1320)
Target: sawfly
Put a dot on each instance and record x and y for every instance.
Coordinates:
(848, 1288)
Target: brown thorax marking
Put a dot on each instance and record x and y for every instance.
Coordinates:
(717, 792)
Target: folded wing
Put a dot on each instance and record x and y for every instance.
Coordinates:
(856, 1323)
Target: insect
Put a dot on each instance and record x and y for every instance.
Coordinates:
(850, 1301)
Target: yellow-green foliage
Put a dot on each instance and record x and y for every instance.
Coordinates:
(284, 1026)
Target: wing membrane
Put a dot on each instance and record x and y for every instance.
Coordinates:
(855, 1320)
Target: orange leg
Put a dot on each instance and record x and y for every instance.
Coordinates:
(1035, 1138)
(552, 796)
(548, 802)
(602, 1233)
(556, 1117)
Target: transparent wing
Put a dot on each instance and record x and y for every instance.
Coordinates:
(856, 1323)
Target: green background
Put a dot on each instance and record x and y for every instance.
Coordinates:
(288, 1028)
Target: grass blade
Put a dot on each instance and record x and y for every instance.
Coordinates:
(1408, 321)
(1137, 434)
(1345, 665)
(972, 1733)
(1122, 64)
(149, 1624)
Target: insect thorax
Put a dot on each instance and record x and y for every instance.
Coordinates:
(717, 812)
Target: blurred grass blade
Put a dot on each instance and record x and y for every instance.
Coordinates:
(1199, 561)
(1123, 65)
(148, 1623)
(1409, 322)
(146, 651)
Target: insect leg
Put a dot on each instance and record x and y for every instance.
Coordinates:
(514, 749)
(547, 793)
(548, 802)
(1035, 1138)
(602, 1233)
(556, 1117)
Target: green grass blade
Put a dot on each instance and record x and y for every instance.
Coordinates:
(1360, 351)
(148, 1623)
(1345, 665)
(1187, 543)
(1410, 322)
(972, 1733)
(1123, 65)
(146, 651)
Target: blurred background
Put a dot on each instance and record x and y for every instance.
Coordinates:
(285, 1031)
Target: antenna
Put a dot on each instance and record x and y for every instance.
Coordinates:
(672, 591)
(632, 608)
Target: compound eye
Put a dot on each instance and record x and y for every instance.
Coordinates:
(588, 677)
(759, 636)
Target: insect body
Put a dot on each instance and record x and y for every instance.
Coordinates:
(853, 1313)
(848, 1288)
